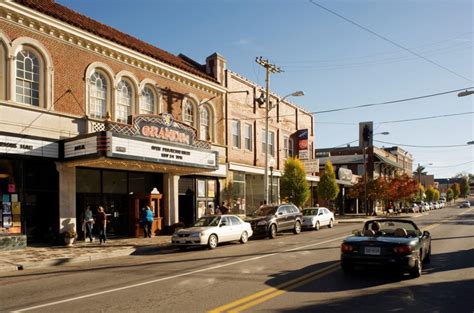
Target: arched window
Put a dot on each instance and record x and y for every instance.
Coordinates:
(98, 95)
(147, 105)
(204, 123)
(124, 101)
(27, 78)
(188, 113)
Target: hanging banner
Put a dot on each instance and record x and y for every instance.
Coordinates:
(303, 144)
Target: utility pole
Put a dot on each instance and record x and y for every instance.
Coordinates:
(270, 68)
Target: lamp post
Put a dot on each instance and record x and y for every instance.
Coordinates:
(271, 163)
(465, 93)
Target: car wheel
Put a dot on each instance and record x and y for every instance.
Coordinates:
(427, 259)
(244, 237)
(297, 228)
(317, 225)
(272, 233)
(416, 271)
(212, 242)
(331, 223)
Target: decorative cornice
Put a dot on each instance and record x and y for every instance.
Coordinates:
(50, 27)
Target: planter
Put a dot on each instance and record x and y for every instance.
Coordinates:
(69, 241)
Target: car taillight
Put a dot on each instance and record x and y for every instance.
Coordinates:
(346, 247)
(403, 250)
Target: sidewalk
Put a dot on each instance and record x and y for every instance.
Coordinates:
(50, 256)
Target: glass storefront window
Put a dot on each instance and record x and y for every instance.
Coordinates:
(114, 182)
(87, 180)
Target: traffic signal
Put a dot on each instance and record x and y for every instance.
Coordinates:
(366, 133)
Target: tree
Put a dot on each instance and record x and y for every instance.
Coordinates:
(456, 190)
(464, 186)
(436, 195)
(327, 186)
(401, 188)
(421, 192)
(293, 185)
(430, 194)
(449, 194)
(376, 190)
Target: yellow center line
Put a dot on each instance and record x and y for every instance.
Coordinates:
(277, 290)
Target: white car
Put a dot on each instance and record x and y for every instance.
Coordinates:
(314, 218)
(465, 204)
(212, 229)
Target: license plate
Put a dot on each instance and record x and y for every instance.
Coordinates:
(372, 250)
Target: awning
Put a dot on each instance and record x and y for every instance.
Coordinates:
(387, 161)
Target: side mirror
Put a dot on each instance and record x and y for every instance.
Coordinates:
(426, 233)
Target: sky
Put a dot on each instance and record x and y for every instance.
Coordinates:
(362, 52)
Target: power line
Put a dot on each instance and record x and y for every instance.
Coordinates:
(389, 40)
(425, 118)
(407, 145)
(368, 105)
(454, 165)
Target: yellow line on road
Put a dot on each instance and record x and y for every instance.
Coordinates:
(269, 293)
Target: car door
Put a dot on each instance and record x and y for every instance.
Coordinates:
(320, 217)
(327, 216)
(225, 229)
(282, 217)
(237, 228)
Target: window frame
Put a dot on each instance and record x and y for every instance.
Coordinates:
(248, 141)
(105, 92)
(236, 137)
(119, 104)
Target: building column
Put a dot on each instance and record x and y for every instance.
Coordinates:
(170, 185)
(67, 197)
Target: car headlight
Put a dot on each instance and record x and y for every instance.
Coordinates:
(262, 223)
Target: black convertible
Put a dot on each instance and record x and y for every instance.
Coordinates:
(384, 243)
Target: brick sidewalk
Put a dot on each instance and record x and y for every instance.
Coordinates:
(50, 256)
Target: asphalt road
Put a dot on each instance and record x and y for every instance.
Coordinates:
(292, 273)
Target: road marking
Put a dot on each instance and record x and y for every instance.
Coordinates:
(270, 293)
(170, 277)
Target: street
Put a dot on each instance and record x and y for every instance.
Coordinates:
(292, 273)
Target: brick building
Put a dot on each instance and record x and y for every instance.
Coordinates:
(93, 116)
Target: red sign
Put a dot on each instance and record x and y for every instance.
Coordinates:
(11, 188)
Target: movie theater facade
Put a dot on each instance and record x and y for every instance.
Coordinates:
(90, 116)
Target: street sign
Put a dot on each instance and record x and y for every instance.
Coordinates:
(311, 166)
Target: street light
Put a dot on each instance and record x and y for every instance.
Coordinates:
(465, 93)
(267, 110)
(365, 141)
(470, 143)
(271, 163)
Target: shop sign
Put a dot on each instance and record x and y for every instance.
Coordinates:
(28, 146)
(166, 129)
(80, 147)
(311, 166)
(162, 153)
(344, 174)
(303, 144)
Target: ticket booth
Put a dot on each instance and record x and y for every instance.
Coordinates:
(139, 201)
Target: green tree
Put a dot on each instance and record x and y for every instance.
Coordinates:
(420, 193)
(464, 186)
(327, 186)
(449, 194)
(436, 195)
(430, 194)
(293, 185)
(456, 190)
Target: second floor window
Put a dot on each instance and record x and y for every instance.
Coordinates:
(147, 105)
(188, 114)
(204, 125)
(286, 142)
(236, 134)
(291, 152)
(248, 133)
(27, 78)
(124, 101)
(271, 143)
(98, 96)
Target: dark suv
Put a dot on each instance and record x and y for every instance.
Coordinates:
(268, 220)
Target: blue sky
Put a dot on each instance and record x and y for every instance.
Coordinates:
(335, 63)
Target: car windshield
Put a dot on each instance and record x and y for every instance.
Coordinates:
(307, 212)
(265, 210)
(387, 228)
(207, 221)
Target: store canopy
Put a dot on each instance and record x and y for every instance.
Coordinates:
(386, 160)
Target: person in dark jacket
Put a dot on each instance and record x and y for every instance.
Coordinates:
(102, 224)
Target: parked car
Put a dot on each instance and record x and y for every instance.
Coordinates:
(424, 207)
(314, 218)
(268, 220)
(413, 208)
(211, 230)
(397, 244)
(465, 204)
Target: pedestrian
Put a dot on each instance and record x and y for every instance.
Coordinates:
(224, 209)
(102, 224)
(88, 222)
(218, 210)
(147, 221)
(210, 210)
